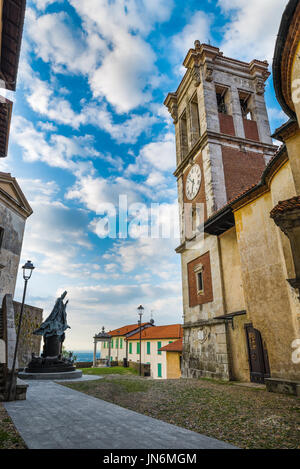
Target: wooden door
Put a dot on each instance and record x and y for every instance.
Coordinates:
(258, 355)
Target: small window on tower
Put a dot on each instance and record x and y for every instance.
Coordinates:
(222, 109)
(194, 118)
(223, 99)
(183, 135)
(245, 101)
(200, 281)
(1, 236)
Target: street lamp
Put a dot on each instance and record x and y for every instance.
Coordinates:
(140, 313)
(27, 272)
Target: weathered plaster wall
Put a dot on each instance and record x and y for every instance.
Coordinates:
(232, 274)
(238, 349)
(13, 225)
(173, 365)
(293, 147)
(268, 295)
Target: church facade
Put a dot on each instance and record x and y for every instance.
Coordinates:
(241, 315)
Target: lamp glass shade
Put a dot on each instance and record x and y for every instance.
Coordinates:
(27, 270)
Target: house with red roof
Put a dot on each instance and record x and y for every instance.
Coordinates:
(119, 343)
(149, 348)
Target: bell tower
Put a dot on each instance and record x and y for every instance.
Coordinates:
(223, 144)
(221, 123)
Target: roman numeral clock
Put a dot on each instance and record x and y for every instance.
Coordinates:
(193, 182)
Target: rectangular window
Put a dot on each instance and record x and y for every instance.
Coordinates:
(104, 345)
(138, 348)
(200, 281)
(195, 124)
(148, 348)
(1, 236)
(159, 370)
(222, 109)
(112, 343)
(130, 347)
(121, 343)
(183, 135)
(246, 105)
(158, 347)
(117, 343)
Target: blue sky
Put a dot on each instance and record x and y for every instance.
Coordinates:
(89, 125)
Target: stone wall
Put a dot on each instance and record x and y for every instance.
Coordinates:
(29, 343)
(10, 250)
(205, 351)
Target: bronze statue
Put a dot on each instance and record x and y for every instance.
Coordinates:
(56, 323)
(53, 331)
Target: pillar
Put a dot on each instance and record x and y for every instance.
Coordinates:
(95, 352)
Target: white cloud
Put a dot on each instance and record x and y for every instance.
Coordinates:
(59, 151)
(123, 77)
(253, 27)
(197, 29)
(110, 50)
(42, 4)
(161, 155)
(44, 100)
(98, 193)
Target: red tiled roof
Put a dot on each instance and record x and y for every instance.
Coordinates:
(125, 329)
(173, 347)
(172, 331)
(285, 206)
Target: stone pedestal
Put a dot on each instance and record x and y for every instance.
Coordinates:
(50, 376)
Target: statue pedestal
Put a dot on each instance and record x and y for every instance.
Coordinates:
(50, 376)
(49, 365)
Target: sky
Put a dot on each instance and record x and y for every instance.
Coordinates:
(89, 129)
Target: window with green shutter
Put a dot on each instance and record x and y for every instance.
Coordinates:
(117, 343)
(121, 343)
(130, 347)
(158, 347)
(112, 343)
(148, 348)
(138, 348)
(159, 370)
(104, 345)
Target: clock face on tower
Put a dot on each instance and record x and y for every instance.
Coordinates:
(193, 182)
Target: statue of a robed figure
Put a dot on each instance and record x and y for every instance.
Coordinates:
(53, 330)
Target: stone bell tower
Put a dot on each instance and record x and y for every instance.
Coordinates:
(223, 144)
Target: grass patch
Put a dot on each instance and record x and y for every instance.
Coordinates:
(235, 414)
(9, 437)
(114, 370)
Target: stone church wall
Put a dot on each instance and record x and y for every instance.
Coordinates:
(10, 250)
(29, 343)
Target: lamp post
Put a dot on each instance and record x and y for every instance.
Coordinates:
(27, 272)
(140, 313)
